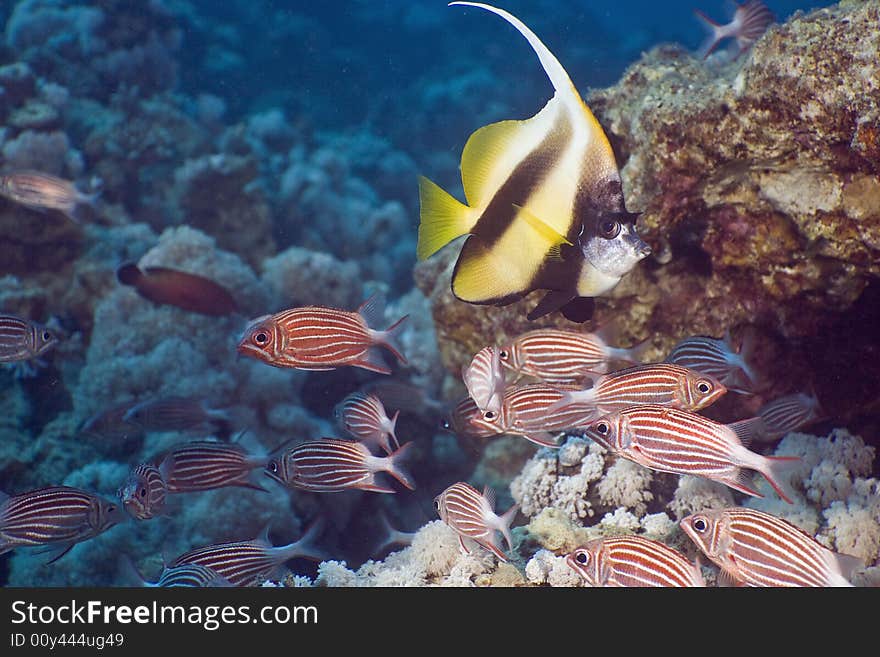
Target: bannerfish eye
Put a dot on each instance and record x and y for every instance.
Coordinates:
(581, 557)
(700, 524)
(609, 229)
(704, 387)
(261, 338)
(602, 428)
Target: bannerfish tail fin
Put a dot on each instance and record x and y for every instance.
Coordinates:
(443, 218)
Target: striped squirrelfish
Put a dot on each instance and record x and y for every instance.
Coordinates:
(787, 414)
(173, 414)
(143, 493)
(205, 465)
(472, 515)
(57, 516)
(750, 20)
(460, 421)
(661, 384)
(545, 207)
(681, 442)
(109, 424)
(717, 358)
(172, 287)
(331, 465)
(42, 191)
(319, 339)
(363, 416)
(754, 548)
(186, 575)
(526, 411)
(249, 563)
(484, 379)
(22, 339)
(629, 561)
(559, 357)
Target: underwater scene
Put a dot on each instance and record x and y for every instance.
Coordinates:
(399, 293)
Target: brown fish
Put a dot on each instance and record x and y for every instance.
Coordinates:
(41, 191)
(178, 288)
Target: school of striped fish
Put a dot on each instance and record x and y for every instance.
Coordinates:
(544, 212)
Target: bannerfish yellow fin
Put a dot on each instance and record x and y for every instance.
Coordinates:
(483, 276)
(443, 218)
(549, 235)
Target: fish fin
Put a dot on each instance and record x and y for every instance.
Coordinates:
(504, 523)
(489, 157)
(482, 276)
(713, 38)
(543, 438)
(493, 547)
(252, 486)
(551, 302)
(373, 310)
(375, 488)
(571, 398)
(846, 564)
(305, 545)
(395, 466)
(636, 353)
(743, 480)
(129, 274)
(774, 472)
(389, 338)
(3, 497)
(59, 550)
(443, 218)
(392, 432)
(464, 549)
(726, 580)
(548, 234)
(128, 573)
(579, 310)
(372, 360)
(489, 495)
(748, 430)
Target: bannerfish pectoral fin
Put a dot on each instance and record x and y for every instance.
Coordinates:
(551, 302)
(547, 233)
(443, 218)
(579, 310)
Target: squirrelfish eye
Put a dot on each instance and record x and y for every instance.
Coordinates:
(261, 338)
(490, 415)
(273, 467)
(47, 336)
(437, 504)
(111, 508)
(143, 492)
(609, 229)
(602, 428)
(581, 557)
(699, 524)
(704, 387)
(503, 354)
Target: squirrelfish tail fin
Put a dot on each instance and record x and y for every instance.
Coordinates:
(443, 218)
(713, 38)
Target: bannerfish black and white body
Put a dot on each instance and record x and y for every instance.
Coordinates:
(545, 207)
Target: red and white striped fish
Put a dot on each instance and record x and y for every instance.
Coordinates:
(472, 515)
(681, 442)
(662, 384)
(42, 191)
(187, 575)
(331, 465)
(143, 493)
(363, 416)
(719, 359)
(108, 424)
(629, 561)
(484, 379)
(750, 20)
(205, 465)
(58, 516)
(173, 414)
(319, 339)
(250, 563)
(22, 339)
(754, 548)
(461, 421)
(526, 411)
(564, 357)
(787, 414)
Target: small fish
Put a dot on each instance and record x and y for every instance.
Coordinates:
(681, 442)
(787, 414)
(460, 421)
(204, 465)
(544, 210)
(250, 563)
(143, 493)
(750, 20)
(661, 384)
(172, 287)
(754, 548)
(22, 339)
(173, 414)
(57, 516)
(186, 575)
(525, 411)
(363, 416)
(559, 357)
(109, 424)
(472, 515)
(331, 465)
(319, 339)
(484, 379)
(42, 191)
(630, 561)
(717, 358)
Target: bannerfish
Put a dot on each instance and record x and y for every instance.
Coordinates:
(42, 191)
(750, 20)
(545, 208)
(633, 561)
(172, 287)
